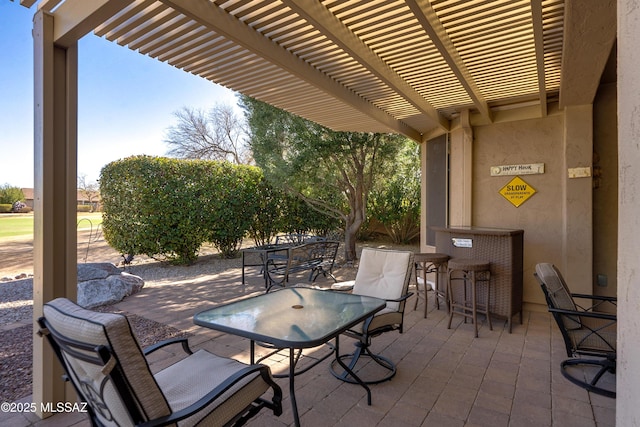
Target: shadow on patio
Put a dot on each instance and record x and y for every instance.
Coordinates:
(445, 376)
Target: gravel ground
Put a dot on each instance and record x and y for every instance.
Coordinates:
(16, 352)
(16, 301)
(16, 304)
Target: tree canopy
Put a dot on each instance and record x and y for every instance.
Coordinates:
(218, 134)
(334, 172)
(10, 194)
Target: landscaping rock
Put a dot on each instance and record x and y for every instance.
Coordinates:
(96, 270)
(104, 283)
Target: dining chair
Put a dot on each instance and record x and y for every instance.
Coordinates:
(383, 274)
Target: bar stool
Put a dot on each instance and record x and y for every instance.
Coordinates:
(473, 272)
(430, 263)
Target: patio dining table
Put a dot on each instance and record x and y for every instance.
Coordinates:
(294, 319)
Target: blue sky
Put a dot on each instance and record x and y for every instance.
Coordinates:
(126, 100)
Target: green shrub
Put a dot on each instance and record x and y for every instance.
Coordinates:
(149, 208)
(299, 217)
(5, 207)
(231, 203)
(397, 208)
(83, 208)
(9, 194)
(170, 207)
(267, 220)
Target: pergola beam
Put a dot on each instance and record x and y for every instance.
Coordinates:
(27, 3)
(428, 18)
(538, 36)
(216, 19)
(75, 19)
(331, 27)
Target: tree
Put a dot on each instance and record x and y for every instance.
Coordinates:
(332, 171)
(90, 190)
(395, 201)
(9, 195)
(216, 135)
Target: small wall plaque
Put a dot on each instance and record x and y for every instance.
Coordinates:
(528, 169)
(462, 243)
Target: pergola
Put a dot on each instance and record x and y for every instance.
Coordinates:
(422, 68)
(409, 67)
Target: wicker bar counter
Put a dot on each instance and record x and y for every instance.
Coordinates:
(504, 249)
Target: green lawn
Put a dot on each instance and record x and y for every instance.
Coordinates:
(21, 225)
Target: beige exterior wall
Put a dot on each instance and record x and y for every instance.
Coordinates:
(541, 217)
(558, 220)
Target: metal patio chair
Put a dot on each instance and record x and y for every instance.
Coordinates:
(102, 358)
(314, 257)
(383, 274)
(589, 333)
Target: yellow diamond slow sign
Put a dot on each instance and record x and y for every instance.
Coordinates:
(517, 191)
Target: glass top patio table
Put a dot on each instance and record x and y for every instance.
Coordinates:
(294, 318)
(291, 317)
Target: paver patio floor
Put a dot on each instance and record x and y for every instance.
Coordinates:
(445, 377)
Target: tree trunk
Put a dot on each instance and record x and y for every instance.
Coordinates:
(350, 233)
(352, 225)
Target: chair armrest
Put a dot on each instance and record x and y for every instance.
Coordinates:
(596, 301)
(159, 345)
(276, 267)
(402, 298)
(595, 297)
(589, 314)
(218, 391)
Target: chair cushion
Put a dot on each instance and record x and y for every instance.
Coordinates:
(188, 380)
(383, 274)
(343, 286)
(114, 331)
(430, 285)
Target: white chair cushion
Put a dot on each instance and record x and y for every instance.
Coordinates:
(343, 286)
(430, 285)
(383, 274)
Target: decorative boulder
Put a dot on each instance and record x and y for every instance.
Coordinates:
(104, 283)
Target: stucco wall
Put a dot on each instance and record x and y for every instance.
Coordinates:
(628, 365)
(541, 217)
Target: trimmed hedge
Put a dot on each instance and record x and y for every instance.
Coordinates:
(5, 207)
(165, 207)
(170, 207)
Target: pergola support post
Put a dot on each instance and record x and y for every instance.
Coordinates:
(55, 194)
(577, 238)
(461, 173)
